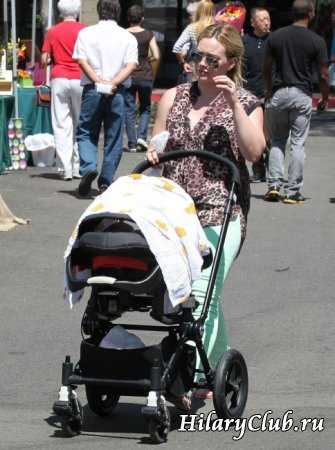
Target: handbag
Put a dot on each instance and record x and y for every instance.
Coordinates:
(43, 95)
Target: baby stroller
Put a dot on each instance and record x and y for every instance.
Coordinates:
(125, 277)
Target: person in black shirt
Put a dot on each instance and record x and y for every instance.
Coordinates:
(141, 81)
(254, 52)
(295, 51)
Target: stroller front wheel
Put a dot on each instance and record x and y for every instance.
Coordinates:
(72, 425)
(159, 427)
(101, 403)
(230, 385)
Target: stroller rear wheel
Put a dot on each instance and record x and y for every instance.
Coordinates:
(230, 385)
(100, 402)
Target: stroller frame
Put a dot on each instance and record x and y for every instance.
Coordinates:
(231, 364)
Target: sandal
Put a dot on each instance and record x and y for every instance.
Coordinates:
(183, 402)
(204, 394)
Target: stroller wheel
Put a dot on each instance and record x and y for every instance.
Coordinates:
(100, 402)
(159, 427)
(230, 385)
(71, 425)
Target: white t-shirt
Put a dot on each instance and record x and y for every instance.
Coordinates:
(107, 48)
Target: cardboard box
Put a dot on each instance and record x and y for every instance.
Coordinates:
(6, 83)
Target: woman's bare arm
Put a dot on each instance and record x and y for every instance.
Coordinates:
(164, 107)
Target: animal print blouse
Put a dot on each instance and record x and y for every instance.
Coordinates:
(207, 182)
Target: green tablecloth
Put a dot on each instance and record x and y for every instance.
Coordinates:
(6, 109)
(36, 119)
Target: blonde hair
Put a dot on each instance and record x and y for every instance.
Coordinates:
(204, 16)
(228, 36)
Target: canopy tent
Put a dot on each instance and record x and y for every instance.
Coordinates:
(13, 11)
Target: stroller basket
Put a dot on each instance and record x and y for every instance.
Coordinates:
(130, 369)
(128, 364)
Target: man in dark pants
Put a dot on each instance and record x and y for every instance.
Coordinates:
(295, 51)
(254, 44)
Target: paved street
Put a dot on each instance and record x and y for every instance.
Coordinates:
(279, 304)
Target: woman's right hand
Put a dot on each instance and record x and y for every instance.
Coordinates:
(152, 155)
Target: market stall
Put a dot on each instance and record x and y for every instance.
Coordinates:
(36, 119)
(22, 103)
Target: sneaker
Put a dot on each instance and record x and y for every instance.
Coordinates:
(103, 188)
(141, 145)
(257, 179)
(129, 149)
(76, 175)
(272, 195)
(84, 187)
(294, 199)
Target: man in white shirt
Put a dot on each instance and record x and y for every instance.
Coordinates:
(107, 55)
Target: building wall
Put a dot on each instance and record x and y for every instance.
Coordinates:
(89, 11)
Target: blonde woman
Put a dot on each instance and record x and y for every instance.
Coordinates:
(187, 41)
(214, 113)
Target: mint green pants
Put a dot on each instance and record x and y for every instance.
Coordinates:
(215, 338)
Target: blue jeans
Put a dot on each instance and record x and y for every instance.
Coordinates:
(143, 89)
(288, 114)
(98, 109)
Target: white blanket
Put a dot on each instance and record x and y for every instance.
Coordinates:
(167, 217)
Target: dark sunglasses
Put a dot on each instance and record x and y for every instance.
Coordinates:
(210, 60)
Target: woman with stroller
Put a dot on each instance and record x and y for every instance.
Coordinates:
(213, 113)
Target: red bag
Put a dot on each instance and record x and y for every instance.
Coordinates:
(43, 95)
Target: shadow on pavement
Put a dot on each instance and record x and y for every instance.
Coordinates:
(48, 176)
(126, 419)
(94, 193)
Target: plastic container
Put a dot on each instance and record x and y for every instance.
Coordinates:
(159, 141)
(42, 147)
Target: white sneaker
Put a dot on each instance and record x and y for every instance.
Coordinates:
(67, 176)
(141, 146)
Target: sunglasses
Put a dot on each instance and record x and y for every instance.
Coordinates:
(210, 60)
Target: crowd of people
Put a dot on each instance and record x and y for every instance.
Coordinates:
(276, 67)
(253, 90)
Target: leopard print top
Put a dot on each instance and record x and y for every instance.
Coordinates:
(207, 182)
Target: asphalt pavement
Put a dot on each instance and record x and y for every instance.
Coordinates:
(279, 305)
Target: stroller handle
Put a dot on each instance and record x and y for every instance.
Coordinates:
(178, 154)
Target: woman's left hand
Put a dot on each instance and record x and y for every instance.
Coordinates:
(228, 87)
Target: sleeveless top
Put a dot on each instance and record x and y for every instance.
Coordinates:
(207, 182)
(144, 69)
